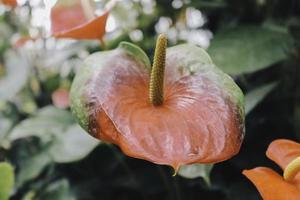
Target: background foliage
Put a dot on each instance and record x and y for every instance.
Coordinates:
(255, 41)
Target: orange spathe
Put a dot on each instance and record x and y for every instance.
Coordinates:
(73, 20)
(269, 183)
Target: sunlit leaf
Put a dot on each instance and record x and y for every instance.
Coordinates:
(76, 19)
(6, 180)
(247, 49)
(196, 170)
(16, 75)
(73, 145)
(255, 96)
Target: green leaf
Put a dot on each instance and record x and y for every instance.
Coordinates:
(247, 49)
(59, 190)
(255, 96)
(17, 71)
(6, 180)
(29, 195)
(73, 145)
(5, 124)
(69, 142)
(195, 171)
(5, 32)
(31, 166)
(46, 122)
(136, 52)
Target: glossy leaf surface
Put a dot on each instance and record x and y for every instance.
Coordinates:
(248, 49)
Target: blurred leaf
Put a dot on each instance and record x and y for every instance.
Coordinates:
(5, 32)
(59, 190)
(5, 125)
(247, 49)
(69, 142)
(255, 96)
(76, 19)
(31, 166)
(29, 195)
(73, 145)
(46, 122)
(17, 70)
(6, 180)
(196, 170)
(53, 59)
(125, 15)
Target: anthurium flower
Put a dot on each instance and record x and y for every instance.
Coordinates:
(270, 184)
(182, 110)
(76, 19)
(11, 3)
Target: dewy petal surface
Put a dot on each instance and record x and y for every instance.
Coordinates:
(271, 185)
(199, 122)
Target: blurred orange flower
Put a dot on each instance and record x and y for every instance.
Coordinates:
(11, 3)
(60, 98)
(76, 19)
(269, 183)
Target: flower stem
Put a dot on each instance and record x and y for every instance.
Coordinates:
(156, 89)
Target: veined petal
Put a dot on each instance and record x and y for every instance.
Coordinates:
(197, 123)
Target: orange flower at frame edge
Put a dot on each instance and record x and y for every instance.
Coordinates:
(269, 183)
(11, 3)
(76, 19)
(180, 111)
